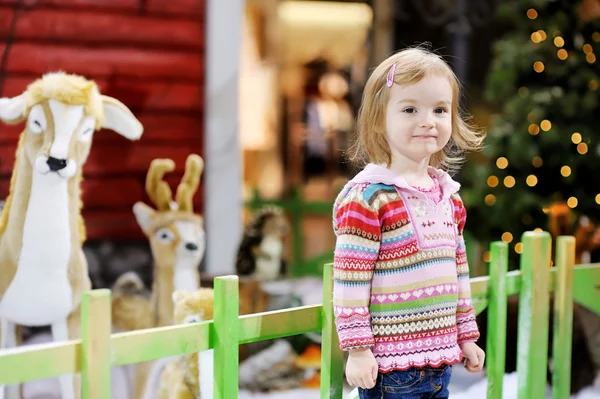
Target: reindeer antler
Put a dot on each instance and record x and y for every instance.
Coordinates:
(157, 189)
(189, 183)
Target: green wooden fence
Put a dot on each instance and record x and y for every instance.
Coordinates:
(98, 350)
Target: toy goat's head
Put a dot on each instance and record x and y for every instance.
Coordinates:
(175, 232)
(62, 112)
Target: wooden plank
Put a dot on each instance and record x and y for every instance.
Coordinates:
(95, 344)
(161, 96)
(108, 5)
(98, 193)
(181, 9)
(157, 127)
(147, 95)
(7, 159)
(38, 59)
(497, 315)
(36, 362)
(177, 7)
(332, 359)
(279, 323)
(172, 127)
(112, 224)
(84, 27)
(563, 318)
(115, 192)
(145, 345)
(6, 15)
(136, 157)
(226, 333)
(532, 346)
(4, 187)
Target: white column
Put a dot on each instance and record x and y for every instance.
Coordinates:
(223, 156)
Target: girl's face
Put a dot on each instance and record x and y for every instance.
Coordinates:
(419, 119)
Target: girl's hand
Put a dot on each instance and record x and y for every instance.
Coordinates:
(474, 357)
(361, 368)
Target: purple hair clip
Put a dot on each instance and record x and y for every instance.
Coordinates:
(390, 75)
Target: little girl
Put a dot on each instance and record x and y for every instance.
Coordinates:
(401, 280)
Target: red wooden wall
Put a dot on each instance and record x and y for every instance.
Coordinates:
(149, 54)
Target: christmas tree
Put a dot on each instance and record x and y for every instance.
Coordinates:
(543, 148)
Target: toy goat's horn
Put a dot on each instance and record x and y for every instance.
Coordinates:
(189, 183)
(157, 189)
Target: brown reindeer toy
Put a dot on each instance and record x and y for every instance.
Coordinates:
(176, 233)
(43, 270)
(177, 240)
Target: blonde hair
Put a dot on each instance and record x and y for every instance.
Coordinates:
(411, 65)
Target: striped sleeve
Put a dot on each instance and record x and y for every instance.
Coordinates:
(358, 232)
(465, 314)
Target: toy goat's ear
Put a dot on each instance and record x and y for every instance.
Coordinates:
(119, 118)
(143, 214)
(12, 110)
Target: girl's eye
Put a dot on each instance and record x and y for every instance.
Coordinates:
(409, 110)
(441, 110)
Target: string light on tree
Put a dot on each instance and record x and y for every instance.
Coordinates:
(490, 199)
(582, 148)
(537, 162)
(531, 180)
(502, 163)
(562, 54)
(533, 129)
(572, 202)
(559, 41)
(532, 13)
(545, 125)
(492, 181)
(597, 198)
(538, 66)
(487, 256)
(507, 237)
(596, 37)
(543, 34)
(591, 58)
(576, 138)
(519, 247)
(565, 171)
(509, 181)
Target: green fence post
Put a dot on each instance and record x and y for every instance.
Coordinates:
(332, 360)
(225, 335)
(532, 346)
(497, 308)
(96, 327)
(563, 318)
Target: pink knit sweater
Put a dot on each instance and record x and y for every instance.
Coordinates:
(401, 278)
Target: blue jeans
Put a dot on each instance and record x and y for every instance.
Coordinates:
(414, 383)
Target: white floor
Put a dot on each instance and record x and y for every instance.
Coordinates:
(464, 385)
